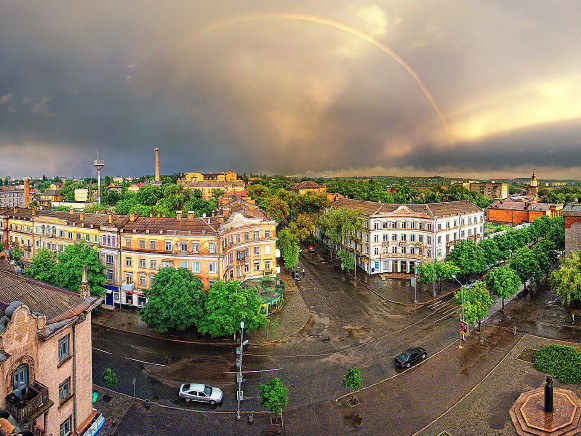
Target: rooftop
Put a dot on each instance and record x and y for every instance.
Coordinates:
(429, 210)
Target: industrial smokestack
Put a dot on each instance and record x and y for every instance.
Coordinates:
(157, 177)
(26, 192)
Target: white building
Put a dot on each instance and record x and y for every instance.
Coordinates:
(400, 236)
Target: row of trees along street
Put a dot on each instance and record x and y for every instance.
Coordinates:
(509, 260)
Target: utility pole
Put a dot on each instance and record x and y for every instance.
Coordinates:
(239, 393)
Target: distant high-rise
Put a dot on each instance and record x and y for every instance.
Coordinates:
(157, 176)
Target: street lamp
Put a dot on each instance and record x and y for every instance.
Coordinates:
(239, 393)
(462, 297)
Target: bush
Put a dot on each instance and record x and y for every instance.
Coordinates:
(560, 361)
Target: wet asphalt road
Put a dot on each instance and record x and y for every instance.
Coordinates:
(349, 326)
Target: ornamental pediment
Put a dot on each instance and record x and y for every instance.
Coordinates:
(238, 220)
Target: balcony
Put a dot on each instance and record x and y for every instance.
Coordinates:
(34, 403)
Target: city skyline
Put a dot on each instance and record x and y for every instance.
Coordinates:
(480, 90)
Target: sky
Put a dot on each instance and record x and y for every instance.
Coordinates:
(480, 89)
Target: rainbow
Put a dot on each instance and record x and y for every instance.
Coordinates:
(335, 25)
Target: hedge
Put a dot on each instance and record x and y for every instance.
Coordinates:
(560, 361)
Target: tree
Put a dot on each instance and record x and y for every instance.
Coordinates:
(477, 301)
(276, 208)
(289, 248)
(109, 378)
(341, 225)
(352, 379)
(503, 282)
(468, 256)
(226, 305)
(302, 227)
(429, 272)
(16, 252)
(566, 280)
(174, 301)
(490, 251)
(274, 396)
(43, 266)
(525, 263)
(148, 195)
(69, 268)
(347, 260)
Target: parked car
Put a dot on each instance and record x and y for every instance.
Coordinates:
(200, 392)
(297, 276)
(409, 356)
(311, 248)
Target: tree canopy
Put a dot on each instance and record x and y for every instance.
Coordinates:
(566, 280)
(68, 271)
(226, 305)
(174, 301)
(477, 301)
(274, 395)
(42, 266)
(289, 248)
(468, 256)
(503, 282)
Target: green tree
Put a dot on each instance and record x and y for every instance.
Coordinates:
(43, 266)
(429, 272)
(525, 263)
(340, 226)
(69, 268)
(477, 301)
(276, 208)
(274, 396)
(490, 251)
(566, 280)
(109, 378)
(468, 256)
(175, 300)
(124, 206)
(289, 248)
(227, 304)
(148, 195)
(303, 226)
(352, 380)
(347, 260)
(503, 282)
(16, 252)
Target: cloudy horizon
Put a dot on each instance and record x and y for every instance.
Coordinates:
(482, 89)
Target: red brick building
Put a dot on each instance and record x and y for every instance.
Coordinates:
(518, 212)
(572, 214)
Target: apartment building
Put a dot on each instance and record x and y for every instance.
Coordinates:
(46, 357)
(518, 212)
(235, 245)
(400, 236)
(11, 197)
(208, 183)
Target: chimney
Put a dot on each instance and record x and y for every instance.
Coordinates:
(26, 192)
(179, 214)
(71, 211)
(85, 289)
(133, 216)
(157, 176)
(110, 218)
(191, 214)
(81, 216)
(33, 212)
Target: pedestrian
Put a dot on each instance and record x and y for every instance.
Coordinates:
(514, 330)
(303, 271)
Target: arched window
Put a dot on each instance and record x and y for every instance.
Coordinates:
(20, 377)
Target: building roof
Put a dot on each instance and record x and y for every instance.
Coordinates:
(211, 183)
(307, 184)
(522, 205)
(51, 192)
(572, 209)
(79, 219)
(200, 226)
(55, 303)
(429, 210)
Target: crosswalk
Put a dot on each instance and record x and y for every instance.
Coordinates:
(443, 309)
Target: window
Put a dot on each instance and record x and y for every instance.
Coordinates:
(20, 377)
(128, 242)
(195, 267)
(256, 234)
(152, 244)
(184, 264)
(212, 247)
(267, 264)
(109, 275)
(394, 225)
(385, 237)
(412, 225)
(142, 279)
(78, 236)
(412, 250)
(439, 239)
(403, 250)
(63, 347)
(109, 259)
(267, 249)
(403, 237)
(153, 264)
(247, 267)
(128, 261)
(168, 245)
(447, 224)
(394, 249)
(376, 225)
(64, 390)
(128, 278)
(142, 244)
(256, 265)
(66, 427)
(394, 236)
(246, 236)
(420, 238)
(195, 247)
(211, 267)
(88, 238)
(404, 225)
(376, 250)
(237, 237)
(257, 251)
(183, 247)
(267, 234)
(142, 263)
(412, 237)
(375, 238)
(428, 239)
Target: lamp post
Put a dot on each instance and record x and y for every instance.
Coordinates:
(462, 297)
(239, 394)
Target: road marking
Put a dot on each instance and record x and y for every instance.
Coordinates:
(143, 361)
(258, 370)
(102, 351)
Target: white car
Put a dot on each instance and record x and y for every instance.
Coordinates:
(200, 392)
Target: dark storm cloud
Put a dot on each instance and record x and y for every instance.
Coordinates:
(287, 95)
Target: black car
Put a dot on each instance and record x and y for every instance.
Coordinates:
(296, 275)
(409, 356)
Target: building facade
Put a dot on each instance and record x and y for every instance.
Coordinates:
(489, 189)
(400, 236)
(45, 356)
(238, 244)
(11, 197)
(572, 214)
(518, 212)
